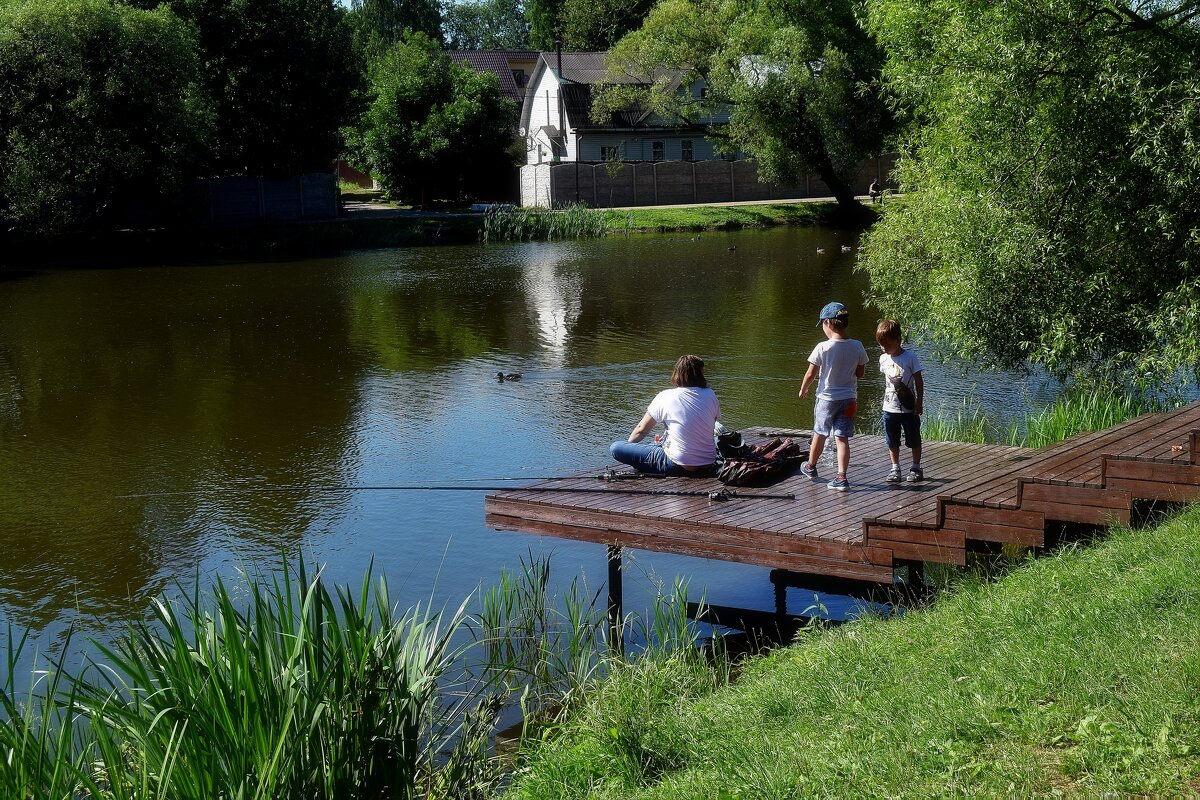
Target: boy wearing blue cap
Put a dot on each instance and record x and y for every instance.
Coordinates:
(836, 364)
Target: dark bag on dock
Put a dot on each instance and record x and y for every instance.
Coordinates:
(762, 465)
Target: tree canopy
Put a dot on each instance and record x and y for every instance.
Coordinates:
(600, 24)
(544, 25)
(379, 24)
(799, 77)
(1051, 215)
(102, 108)
(432, 125)
(283, 76)
(485, 25)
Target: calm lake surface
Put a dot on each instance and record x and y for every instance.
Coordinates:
(378, 368)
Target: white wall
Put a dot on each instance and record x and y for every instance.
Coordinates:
(640, 146)
(543, 111)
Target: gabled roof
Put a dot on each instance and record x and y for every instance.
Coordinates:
(583, 70)
(592, 67)
(496, 62)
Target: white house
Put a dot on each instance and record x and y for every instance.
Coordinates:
(634, 158)
(557, 124)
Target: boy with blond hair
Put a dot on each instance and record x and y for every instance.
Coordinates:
(836, 364)
(903, 399)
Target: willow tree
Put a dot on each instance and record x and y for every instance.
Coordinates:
(1051, 216)
(797, 78)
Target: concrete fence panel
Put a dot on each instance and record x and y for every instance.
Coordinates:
(246, 199)
(746, 184)
(676, 182)
(714, 182)
(646, 183)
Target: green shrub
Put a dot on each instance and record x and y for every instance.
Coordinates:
(102, 109)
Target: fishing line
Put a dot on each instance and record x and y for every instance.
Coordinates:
(719, 495)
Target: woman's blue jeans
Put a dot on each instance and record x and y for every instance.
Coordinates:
(649, 458)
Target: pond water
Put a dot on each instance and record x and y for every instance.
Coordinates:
(378, 368)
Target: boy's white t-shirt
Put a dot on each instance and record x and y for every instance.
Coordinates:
(689, 414)
(839, 360)
(904, 365)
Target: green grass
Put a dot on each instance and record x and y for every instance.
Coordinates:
(280, 688)
(1076, 674)
(284, 687)
(1079, 410)
(580, 222)
(727, 217)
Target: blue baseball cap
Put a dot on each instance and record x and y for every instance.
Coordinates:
(831, 311)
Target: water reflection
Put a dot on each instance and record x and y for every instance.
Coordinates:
(379, 368)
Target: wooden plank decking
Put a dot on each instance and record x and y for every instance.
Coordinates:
(972, 494)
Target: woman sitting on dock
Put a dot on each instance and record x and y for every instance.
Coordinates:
(689, 412)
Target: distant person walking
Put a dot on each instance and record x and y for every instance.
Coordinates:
(689, 412)
(836, 364)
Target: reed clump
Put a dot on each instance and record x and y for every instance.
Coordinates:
(553, 654)
(1079, 410)
(283, 686)
(299, 691)
(515, 224)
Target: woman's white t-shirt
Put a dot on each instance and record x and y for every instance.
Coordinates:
(689, 415)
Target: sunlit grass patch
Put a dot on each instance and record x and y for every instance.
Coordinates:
(1076, 673)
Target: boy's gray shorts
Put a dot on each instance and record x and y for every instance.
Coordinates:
(834, 417)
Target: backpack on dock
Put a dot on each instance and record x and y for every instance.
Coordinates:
(760, 465)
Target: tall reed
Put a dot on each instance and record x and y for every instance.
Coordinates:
(1078, 410)
(1082, 410)
(297, 692)
(513, 224)
(285, 687)
(964, 423)
(552, 655)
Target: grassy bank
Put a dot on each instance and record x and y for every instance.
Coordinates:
(1074, 674)
(730, 217)
(328, 237)
(579, 222)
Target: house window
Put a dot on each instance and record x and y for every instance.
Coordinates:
(608, 153)
(703, 92)
(686, 147)
(658, 151)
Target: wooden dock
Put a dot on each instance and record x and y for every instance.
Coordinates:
(973, 497)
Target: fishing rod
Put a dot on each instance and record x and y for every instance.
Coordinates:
(719, 495)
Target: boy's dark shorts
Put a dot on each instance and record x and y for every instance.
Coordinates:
(894, 423)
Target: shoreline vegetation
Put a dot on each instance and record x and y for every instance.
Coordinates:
(365, 232)
(1074, 673)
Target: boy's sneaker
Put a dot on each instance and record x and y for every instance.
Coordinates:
(839, 484)
(915, 474)
(894, 475)
(808, 470)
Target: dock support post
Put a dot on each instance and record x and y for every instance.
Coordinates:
(914, 585)
(779, 582)
(616, 635)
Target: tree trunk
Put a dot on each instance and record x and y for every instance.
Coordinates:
(841, 192)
